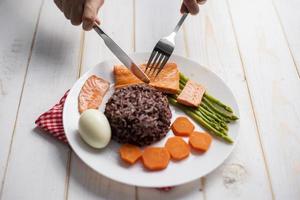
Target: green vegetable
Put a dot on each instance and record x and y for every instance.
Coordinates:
(213, 117)
(220, 117)
(211, 113)
(217, 102)
(207, 119)
(216, 105)
(200, 120)
(183, 77)
(219, 111)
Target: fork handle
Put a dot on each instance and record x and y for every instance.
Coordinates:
(176, 29)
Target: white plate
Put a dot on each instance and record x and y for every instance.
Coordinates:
(107, 161)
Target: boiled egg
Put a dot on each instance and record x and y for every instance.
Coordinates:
(94, 128)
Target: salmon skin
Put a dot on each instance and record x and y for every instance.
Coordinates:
(167, 80)
(192, 94)
(92, 93)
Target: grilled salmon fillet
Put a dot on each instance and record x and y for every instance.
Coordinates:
(124, 77)
(192, 94)
(92, 93)
(167, 80)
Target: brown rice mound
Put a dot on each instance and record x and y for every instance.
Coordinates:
(138, 114)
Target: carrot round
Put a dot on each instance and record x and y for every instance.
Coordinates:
(155, 158)
(177, 148)
(130, 153)
(182, 126)
(200, 141)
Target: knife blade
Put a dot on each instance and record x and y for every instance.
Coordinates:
(121, 55)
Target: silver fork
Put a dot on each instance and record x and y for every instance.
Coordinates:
(163, 50)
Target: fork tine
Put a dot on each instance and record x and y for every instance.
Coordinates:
(162, 65)
(150, 60)
(153, 63)
(157, 64)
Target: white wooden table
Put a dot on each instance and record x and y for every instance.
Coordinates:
(253, 45)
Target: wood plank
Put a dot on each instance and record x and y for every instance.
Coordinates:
(188, 191)
(37, 164)
(14, 52)
(150, 27)
(88, 184)
(122, 33)
(289, 16)
(85, 183)
(274, 85)
(211, 42)
(154, 20)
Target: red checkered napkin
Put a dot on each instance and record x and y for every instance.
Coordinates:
(52, 120)
(52, 123)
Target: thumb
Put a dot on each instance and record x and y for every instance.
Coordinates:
(90, 12)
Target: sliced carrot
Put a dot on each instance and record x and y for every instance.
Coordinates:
(130, 153)
(155, 158)
(200, 141)
(182, 126)
(177, 148)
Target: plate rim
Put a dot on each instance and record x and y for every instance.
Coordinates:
(142, 54)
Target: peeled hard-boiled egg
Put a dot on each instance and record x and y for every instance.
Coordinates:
(94, 128)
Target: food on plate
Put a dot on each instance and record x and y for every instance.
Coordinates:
(155, 158)
(212, 114)
(92, 93)
(177, 148)
(124, 77)
(138, 114)
(130, 153)
(200, 141)
(182, 126)
(199, 118)
(191, 94)
(94, 128)
(167, 80)
(222, 110)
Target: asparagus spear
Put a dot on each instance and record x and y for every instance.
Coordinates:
(211, 117)
(217, 102)
(181, 85)
(216, 105)
(224, 114)
(214, 117)
(204, 106)
(183, 77)
(216, 125)
(200, 121)
(218, 119)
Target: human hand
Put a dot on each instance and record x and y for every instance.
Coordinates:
(81, 11)
(191, 6)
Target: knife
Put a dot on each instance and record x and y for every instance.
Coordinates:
(121, 55)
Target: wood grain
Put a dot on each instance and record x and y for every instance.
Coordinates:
(37, 163)
(15, 49)
(211, 41)
(252, 45)
(85, 183)
(289, 17)
(150, 27)
(274, 85)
